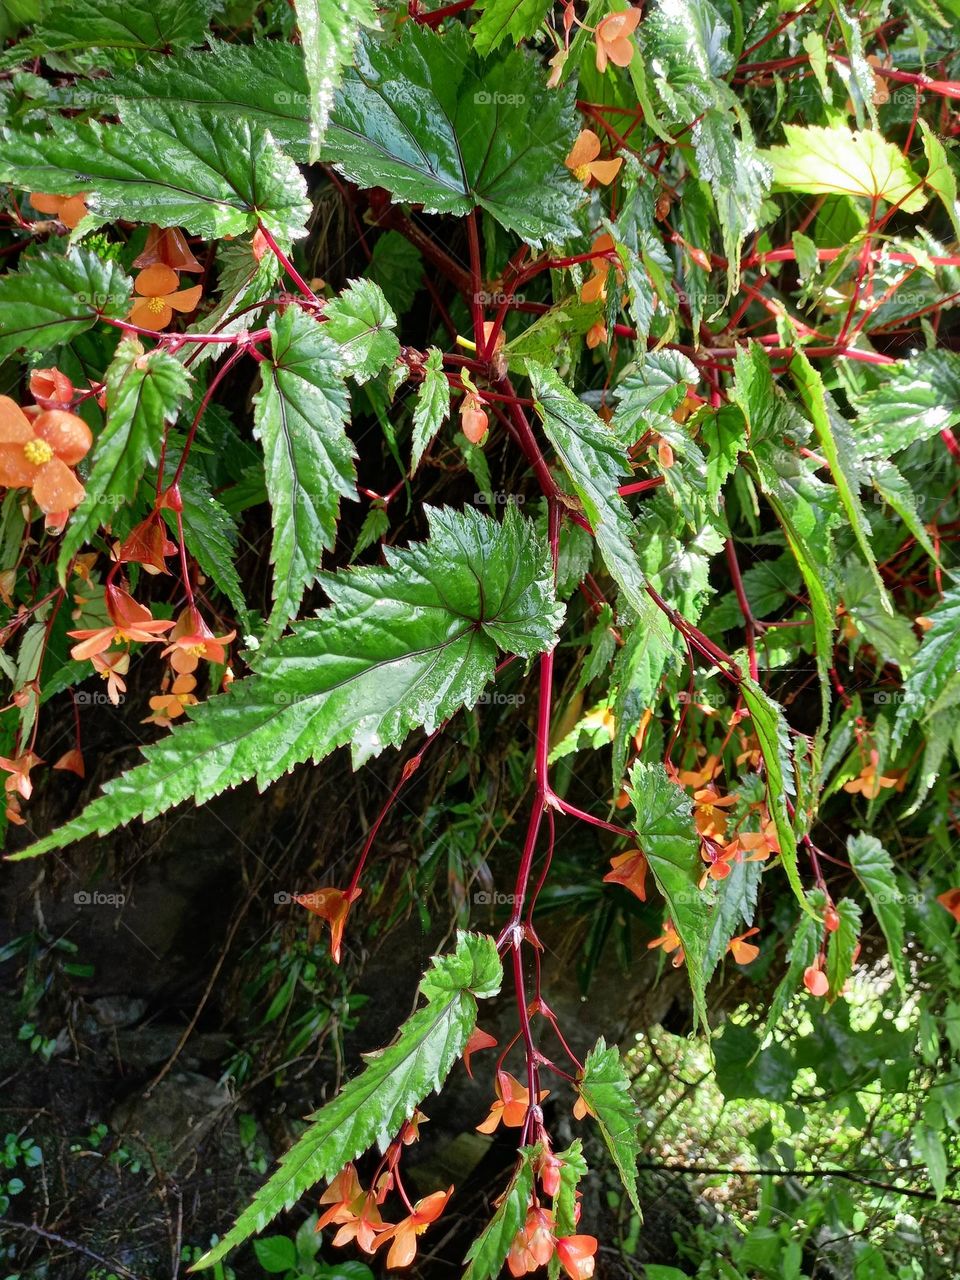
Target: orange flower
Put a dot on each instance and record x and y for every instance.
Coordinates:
(951, 901)
(332, 905)
(478, 1040)
(760, 844)
(744, 952)
(51, 389)
(473, 419)
(342, 1194)
(595, 288)
(576, 1256)
(670, 941)
(630, 870)
(404, 1235)
(533, 1245)
(131, 621)
(512, 1105)
(167, 247)
(191, 639)
(160, 297)
(147, 545)
(869, 783)
(597, 335)
(72, 762)
(718, 858)
(112, 667)
(613, 38)
(583, 163)
(707, 816)
(69, 209)
(549, 1169)
(39, 454)
(18, 770)
(168, 706)
(815, 980)
(353, 1210)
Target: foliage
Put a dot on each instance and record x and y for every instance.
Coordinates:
(670, 291)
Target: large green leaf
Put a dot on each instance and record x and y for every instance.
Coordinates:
(54, 297)
(210, 532)
(839, 449)
(841, 945)
(937, 659)
(736, 903)
(488, 1253)
(739, 180)
(595, 459)
(915, 399)
(424, 117)
(770, 726)
(402, 646)
(874, 868)
(308, 457)
(328, 32)
(168, 166)
(373, 1106)
(823, 161)
(80, 25)
(264, 84)
(144, 393)
(500, 19)
(605, 1088)
(665, 832)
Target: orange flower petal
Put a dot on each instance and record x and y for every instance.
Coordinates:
(14, 425)
(73, 210)
(46, 204)
(605, 170)
(585, 148)
(67, 435)
(156, 281)
(15, 471)
(185, 299)
(56, 488)
(144, 318)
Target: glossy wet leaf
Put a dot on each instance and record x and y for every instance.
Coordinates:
(52, 298)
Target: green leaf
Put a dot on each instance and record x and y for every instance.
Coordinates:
(276, 1253)
(424, 117)
(736, 902)
(800, 502)
(937, 659)
(803, 952)
(941, 178)
(328, 32)
(401, 647)
(595, 459)
(299, 417)
(144, 393)
(839, 449)
(928, 1144)
(397, 267)
(638, 670)
(874, 868)
(432, 407)
(894, 488)
(916, 399)
(210, 533)
(372, 1107)
(667, 836)
(80, 25)
(565, 1201)
(518, 19)
(605, 1088)
(52, 298)
(265, 83)
(488, 1252)
(168, 166)
(837, 160)
(361, 322)
(744, 1071)
(723, 431)
(739, 180)
(841, 944)
(770, 726)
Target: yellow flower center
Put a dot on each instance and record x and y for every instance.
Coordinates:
(196, 650)
(155, 305)
(582, 172)
(37, 451)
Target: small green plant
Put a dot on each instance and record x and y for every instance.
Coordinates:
(16, 1153)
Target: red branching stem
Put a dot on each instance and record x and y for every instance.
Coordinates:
(287, 265)
(749, 622)
(409, 769)
(215, 381)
